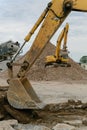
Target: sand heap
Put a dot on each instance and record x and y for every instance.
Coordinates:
(39, 72)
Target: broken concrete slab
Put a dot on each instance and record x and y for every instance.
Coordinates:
(8, 123)
(62, 126)
(31, 127)
(74, 122)
(7, 127)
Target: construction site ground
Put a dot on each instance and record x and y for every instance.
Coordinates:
(63, 91)
(64, 103)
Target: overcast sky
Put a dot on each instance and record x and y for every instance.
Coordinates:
(17, 17)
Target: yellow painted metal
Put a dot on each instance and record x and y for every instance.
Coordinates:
(59, 42)
(65, 36)
(80, 5)
(62, 36)
(59, 52)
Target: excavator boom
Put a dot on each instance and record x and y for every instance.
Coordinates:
(62, 36)
(52, 22)
(21, 94)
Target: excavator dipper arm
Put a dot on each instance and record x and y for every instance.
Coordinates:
(21, 94)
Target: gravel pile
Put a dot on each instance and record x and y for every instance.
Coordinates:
(38, 71)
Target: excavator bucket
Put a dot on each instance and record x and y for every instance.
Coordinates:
(21, 95)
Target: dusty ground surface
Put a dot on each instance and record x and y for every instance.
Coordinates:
(62, 90)
(64, 103)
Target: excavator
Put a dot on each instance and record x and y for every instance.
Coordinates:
(60, 58)
(21, 94)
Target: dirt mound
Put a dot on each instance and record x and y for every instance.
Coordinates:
(39, 72)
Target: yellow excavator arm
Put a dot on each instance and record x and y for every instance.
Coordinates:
(21, 94)
(60, 58)
(62, 36)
